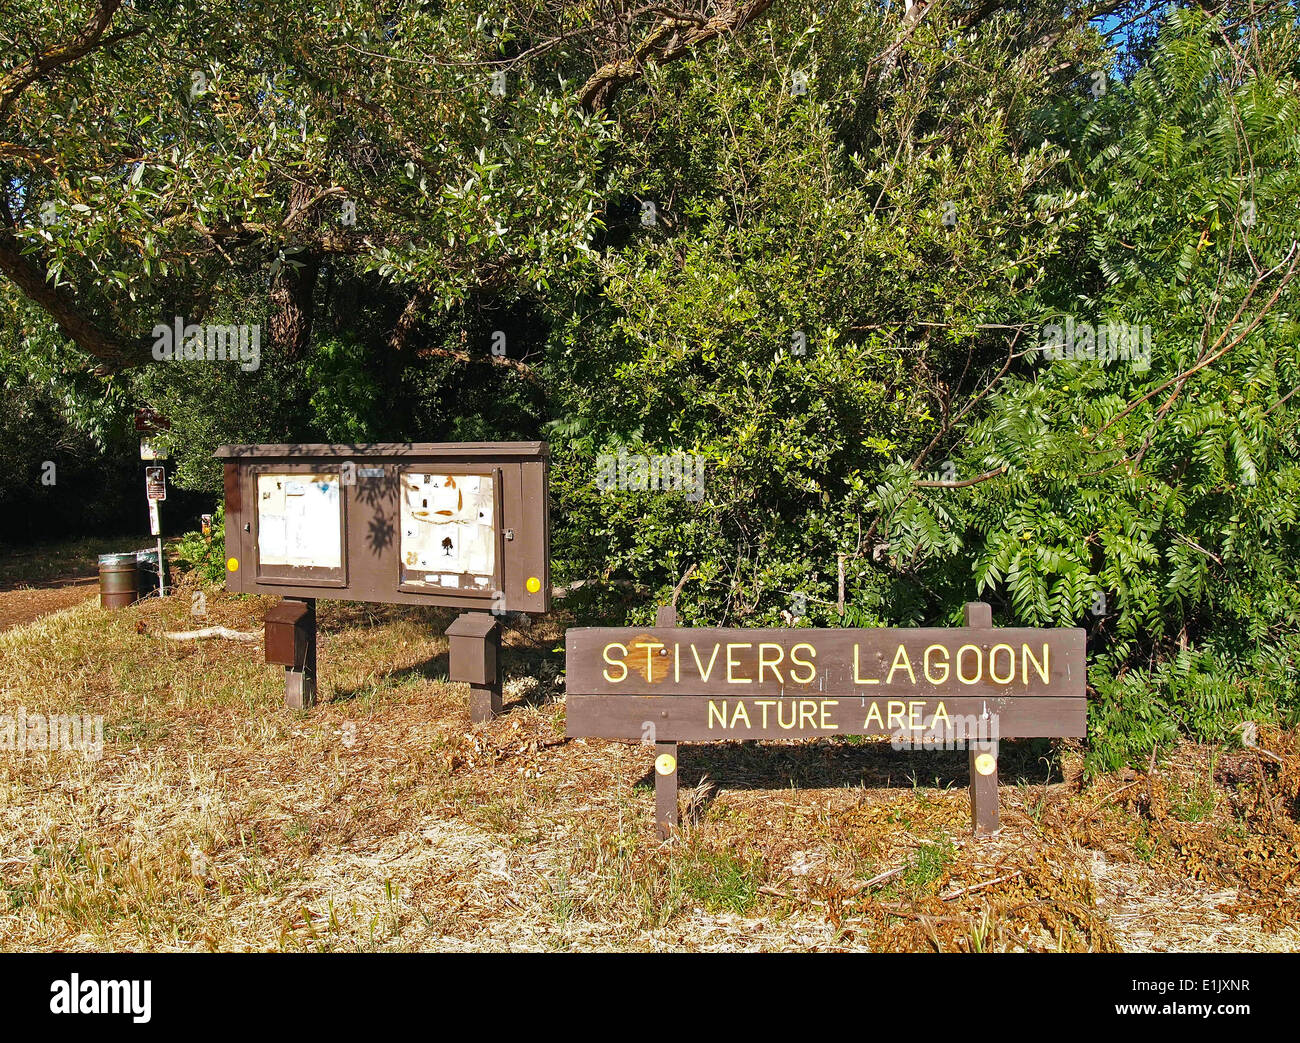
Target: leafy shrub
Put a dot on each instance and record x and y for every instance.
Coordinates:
(205, 556)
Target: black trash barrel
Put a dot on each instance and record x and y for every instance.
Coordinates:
(147, 560)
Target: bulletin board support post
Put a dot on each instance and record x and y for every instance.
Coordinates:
(473, 658)
(300, 679)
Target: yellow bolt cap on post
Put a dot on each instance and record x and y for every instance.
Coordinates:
(985, 763)
(665, 764)
(232, 564)
(534, 584)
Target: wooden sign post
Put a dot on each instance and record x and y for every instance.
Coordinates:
(982, 756)
(926, 688)
(666, 757)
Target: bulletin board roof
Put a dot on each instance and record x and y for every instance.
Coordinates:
(360, 450)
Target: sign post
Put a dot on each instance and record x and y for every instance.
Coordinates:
(926, 688)
(155, 488)
(666, 757)
(474, 646)
(148, 423)
(982, 755)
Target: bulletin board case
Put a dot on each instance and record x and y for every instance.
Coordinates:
(463, 524)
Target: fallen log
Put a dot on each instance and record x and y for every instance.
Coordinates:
(194, 635)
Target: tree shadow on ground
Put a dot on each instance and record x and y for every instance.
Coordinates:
(837, 764)
(432, 669)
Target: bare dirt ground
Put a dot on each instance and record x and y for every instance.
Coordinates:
(382, 819)
(35, 581)
(25, 604)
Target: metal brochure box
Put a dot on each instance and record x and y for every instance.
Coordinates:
(473, 646)
(464, 525)
(288, 634)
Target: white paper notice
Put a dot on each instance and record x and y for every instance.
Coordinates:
(298, 520)
(448, 528)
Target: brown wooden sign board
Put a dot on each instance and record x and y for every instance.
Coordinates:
(916, 663)
(926, 687)
(464, 524)
(708, 718)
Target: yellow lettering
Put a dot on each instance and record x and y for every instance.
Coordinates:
(740, 712)
(765, 703)
(704, 674)
(732, 664)
(1044, 668)
(826, 722)
(780, 717)
(979, 663)
(873, 712)
(857, 673)
(615, 662)
(720, 714)
(763, 661)
(944, 663)
(1011, 663)
(896, 711)
(650, 647)
(915, 717)
(812, 670)
(807, 714)
(941, 711)
(905, 664)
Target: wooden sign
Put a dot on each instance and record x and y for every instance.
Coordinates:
(147, 422)
(701, 685)
(927, 687)
(462, 525)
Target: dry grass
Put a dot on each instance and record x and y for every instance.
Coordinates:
(382, 820)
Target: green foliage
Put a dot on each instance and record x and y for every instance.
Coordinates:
(66, 446)
(1156, 505)
(722, 881)
(790, 221)
(346, 399)
(836, 303)
(204, 556)
(931, 860)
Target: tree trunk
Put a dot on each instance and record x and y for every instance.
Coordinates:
(293, 289)
(292, 308)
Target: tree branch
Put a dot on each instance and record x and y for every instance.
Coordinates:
(672, 38)
(496, 360)
(1209, 359)
(51, 58)
(62, 306)
(928, 484)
